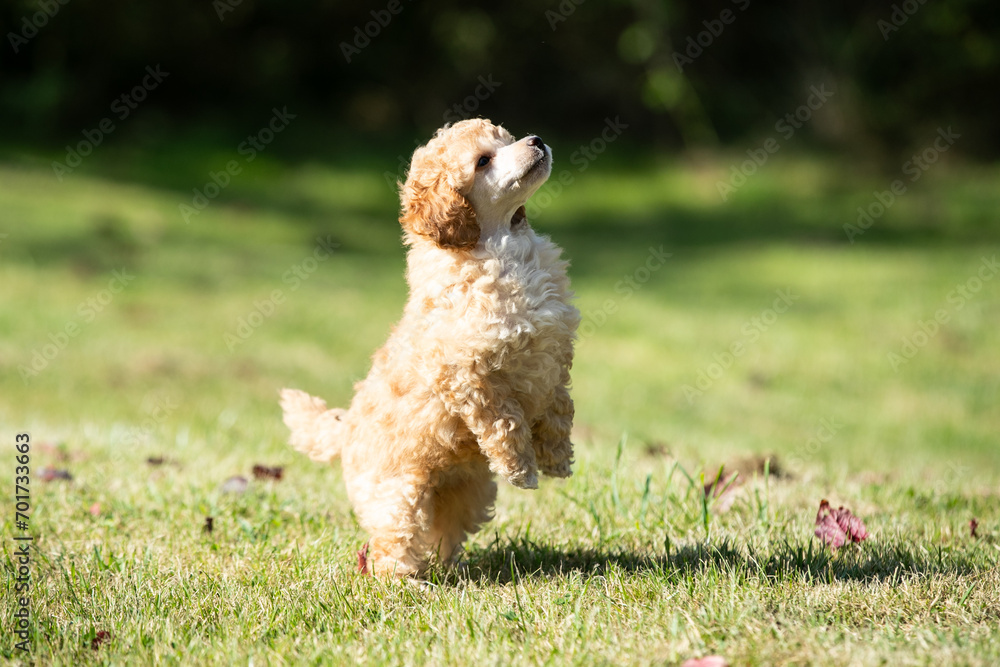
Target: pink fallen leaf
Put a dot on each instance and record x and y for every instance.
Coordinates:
(852, 526)
(837, 527)
(363, 559)
(829, 532)
(707, 661)
(234, 484)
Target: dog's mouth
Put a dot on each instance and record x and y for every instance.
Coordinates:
(536, 169)
(542, 159)
(520, 215)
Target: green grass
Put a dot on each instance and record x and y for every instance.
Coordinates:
(622, 564)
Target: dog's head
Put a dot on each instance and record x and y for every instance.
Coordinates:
(471, 176)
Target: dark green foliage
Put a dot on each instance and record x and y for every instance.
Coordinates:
(550, 66)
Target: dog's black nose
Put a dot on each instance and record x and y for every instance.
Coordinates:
(536, 141)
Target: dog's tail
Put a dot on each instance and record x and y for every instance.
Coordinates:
(317, 432)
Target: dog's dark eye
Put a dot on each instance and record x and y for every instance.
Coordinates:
(483, 161)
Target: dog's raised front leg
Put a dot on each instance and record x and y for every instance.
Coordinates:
(497, 420)
(505, 439)
(550, 434)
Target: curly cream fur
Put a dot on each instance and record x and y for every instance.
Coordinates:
(474, 380)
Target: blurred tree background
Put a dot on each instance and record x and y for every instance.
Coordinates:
(684, 75)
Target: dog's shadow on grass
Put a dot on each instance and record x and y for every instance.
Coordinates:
(868, 562)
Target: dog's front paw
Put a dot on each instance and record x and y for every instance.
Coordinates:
(555, 457)
(524, 479)
(561, 469)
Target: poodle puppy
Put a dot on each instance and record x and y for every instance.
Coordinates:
(474, 380)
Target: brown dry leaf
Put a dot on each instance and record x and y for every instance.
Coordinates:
(973, 524)
(209, 525)
(749, 466)
(268, 472)
(657, 449)
(161, 461)
(102, 637)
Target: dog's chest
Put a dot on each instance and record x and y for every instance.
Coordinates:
(506, 306)
(531, 303)
(524, 290)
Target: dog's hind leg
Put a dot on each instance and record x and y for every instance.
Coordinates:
(398, 513)
(460, 508)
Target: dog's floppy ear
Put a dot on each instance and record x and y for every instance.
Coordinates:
(438, 211)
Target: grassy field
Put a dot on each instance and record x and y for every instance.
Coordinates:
(868, 372)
